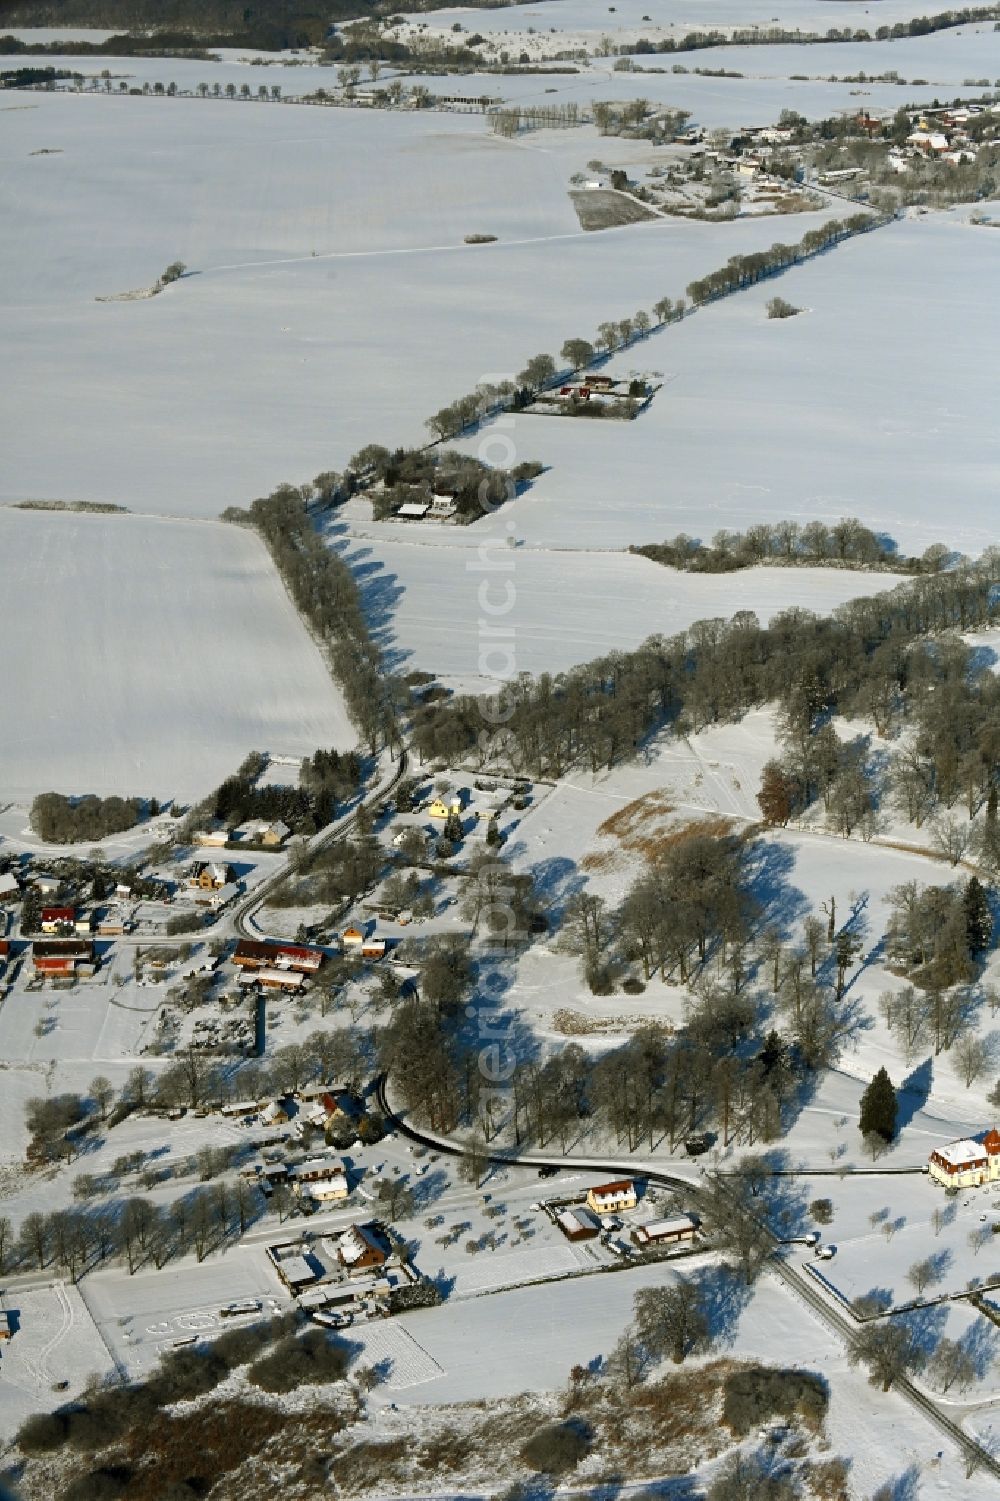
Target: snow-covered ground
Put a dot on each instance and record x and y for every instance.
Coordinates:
(801, 418)
(497, 1346)
(316, 323)
(55, 1341)
(547, 610)
(670, 15)
(150, 657)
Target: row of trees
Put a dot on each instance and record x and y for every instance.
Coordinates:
(698, 40)
(860, 660)
(543, 370)
(134, 1229)
(848, 543)
(745, 270)
(509, 122)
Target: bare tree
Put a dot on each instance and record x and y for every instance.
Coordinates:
(889, 1350)
(671, 1320)
(952, 1365)
(102, 1093)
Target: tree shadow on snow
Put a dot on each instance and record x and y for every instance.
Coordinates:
(724, 1298)
(781, 905)
(914, 1092)
(904, 1487)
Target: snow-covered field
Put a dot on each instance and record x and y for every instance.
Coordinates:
(545, 611)
(356, 338)
(944, 57)
(149, 657)
(801, 418)
(671, 15)
(805, 417)
(497, 1346)
(56, 1341)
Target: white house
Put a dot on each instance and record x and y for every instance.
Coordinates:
(967, 1163)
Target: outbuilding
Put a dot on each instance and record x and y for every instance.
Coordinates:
(673, 1231)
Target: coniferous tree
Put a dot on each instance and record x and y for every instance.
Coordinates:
(878, 1108)
(978, 921)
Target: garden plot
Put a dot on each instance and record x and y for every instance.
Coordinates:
(55, 1340)
(395, 1351)
(545, 611)
(186, 654)
(515, 1268)
(144, 1315)
(92, 1021)
(962, 1254)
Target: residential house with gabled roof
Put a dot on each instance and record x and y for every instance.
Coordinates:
(361, 1248)
(612, 1198)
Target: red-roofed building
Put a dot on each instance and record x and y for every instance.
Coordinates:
(61, 957)
(252, 955)
(612, 1198)
(56, 919)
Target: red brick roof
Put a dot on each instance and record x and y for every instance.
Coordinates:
(623, 1186)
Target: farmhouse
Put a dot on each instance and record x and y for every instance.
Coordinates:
(112, 923)
(239, 1109)
(968, 1163)
(9, 889)
(286, 980)
(373, 948)
(61, 957)
(259, 831)
(46, 885)
(666, 1232)
(578, 1224)
(612, 1198)
(352, 938)
(211, 838)
(440, 809)
(210, 875)
(58, 919)
(250, 955)
(361, 1248)
(217, 897)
